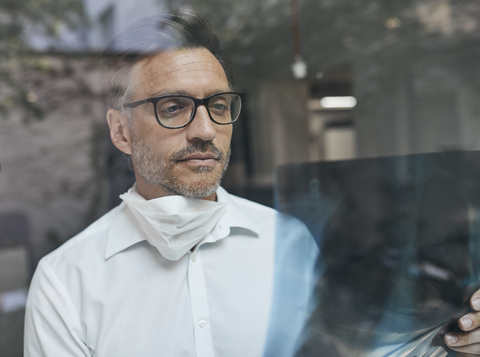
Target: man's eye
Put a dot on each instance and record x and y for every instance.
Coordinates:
(219, 107)
(171, 110)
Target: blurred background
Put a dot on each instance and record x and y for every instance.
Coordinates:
(324, 80)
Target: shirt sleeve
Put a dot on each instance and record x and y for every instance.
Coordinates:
(52, 325)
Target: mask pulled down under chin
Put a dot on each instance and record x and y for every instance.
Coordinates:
(174, 224)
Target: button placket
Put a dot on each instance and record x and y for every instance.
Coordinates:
(199, 304)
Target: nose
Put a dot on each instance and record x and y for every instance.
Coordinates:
(201, 127)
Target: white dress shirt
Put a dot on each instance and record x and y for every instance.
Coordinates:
(108, 292)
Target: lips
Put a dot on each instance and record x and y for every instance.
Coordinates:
(200, 160)
(198, 152)
(200, 156)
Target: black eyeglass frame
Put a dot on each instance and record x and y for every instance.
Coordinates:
(196, 102)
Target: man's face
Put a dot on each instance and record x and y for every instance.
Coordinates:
(189, 161)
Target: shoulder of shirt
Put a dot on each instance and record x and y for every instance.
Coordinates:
(244, 209)
(248, 205)
(293, 238)
(264, 215)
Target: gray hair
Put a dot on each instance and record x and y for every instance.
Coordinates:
(174, 30)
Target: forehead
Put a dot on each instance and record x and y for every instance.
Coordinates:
(191, 71)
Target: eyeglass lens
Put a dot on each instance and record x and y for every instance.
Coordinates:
(177, 111)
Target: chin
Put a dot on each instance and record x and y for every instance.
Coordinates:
(196, 192)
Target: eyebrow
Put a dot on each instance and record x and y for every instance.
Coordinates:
(162, 93)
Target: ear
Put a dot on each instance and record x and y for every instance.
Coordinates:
(119, 130)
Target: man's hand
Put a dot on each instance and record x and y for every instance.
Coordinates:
(467, 341)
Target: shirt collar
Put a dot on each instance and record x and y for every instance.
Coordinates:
(234, 217)
(125, 231)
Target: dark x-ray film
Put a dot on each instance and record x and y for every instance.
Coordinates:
(399, 241)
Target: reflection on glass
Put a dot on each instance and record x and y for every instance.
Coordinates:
(399, 247)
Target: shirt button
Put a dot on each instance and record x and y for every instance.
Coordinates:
(194, 258)
(202, 323)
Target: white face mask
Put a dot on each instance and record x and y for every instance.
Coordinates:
(174, 224)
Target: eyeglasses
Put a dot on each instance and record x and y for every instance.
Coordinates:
(177, 111)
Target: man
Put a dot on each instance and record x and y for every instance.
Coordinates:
(180, 268)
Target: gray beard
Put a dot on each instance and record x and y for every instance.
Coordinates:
(161, 171)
